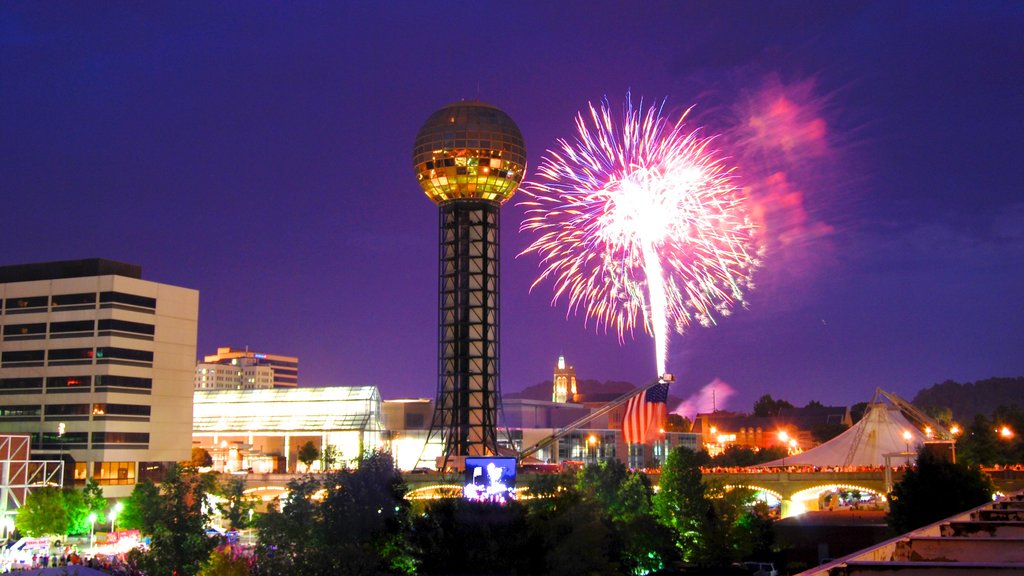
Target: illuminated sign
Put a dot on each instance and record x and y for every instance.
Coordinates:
(490, 479)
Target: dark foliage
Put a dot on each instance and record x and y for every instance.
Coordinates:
(934, 490)
(972, 398)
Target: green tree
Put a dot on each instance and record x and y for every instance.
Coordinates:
(359, 526)
(979, 443)
(289, 539)
(330, 456)
(682, 506)
(712, 526)
(934, 490)
(143, 509)
(237, 507)
(308, 453)
(94, 499)
(179, 543)
(639, 545)
(77, 511)
(43, 513)
(200, 458)
(221, 563)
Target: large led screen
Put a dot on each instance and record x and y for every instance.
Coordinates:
(490, 479)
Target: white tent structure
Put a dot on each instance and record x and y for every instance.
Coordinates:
(879, 433)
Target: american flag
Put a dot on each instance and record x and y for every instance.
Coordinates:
(645, 415)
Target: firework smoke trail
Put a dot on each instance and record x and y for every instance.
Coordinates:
(640, 221)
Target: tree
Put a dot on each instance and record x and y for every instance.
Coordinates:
(308, 453)
(200, 458)
(143, 509)
(221, 563)
(330, 456)
(92, 493)
(677, 423)
(77, 512)
(43, 513)
(767, 406)
(824, 431)
(712, 526)
(358, 527)
(179, 543)
(682, 506)
(237, 507)
(934, 490)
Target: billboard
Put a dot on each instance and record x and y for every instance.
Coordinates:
(490, 479)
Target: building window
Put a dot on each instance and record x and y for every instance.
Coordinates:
(114, 472)
(127, 356)
(120, 440)
(120, 411)
(70, 356)
(74, 301)
(25, 305)
(67, 409)
(73, 329)
(70, 440)
(21, 413)
(15, 358)
(20, 384)
(105, 382)
(127, 301)
(25, 331)
(107, 326)
(68, 383)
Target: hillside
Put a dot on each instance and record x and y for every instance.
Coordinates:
(967, 400)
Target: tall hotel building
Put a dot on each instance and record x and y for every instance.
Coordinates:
(97, 366)
(236, 369)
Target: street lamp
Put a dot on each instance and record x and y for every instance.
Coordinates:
(592, 441)
(1006, 433)
(954, 430)
(113, 515)
(907, 436)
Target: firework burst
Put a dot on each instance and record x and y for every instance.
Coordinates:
(639, 222)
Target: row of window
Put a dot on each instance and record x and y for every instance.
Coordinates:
(75, 356)
(77, 301)
(75, 383)
(78, 329)
(79, 440)
(96, 409)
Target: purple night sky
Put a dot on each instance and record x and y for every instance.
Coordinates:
(261, 153)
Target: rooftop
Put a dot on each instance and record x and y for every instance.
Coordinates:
(68, 269)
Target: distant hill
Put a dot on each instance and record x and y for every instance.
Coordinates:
(972, 398)
(542, 390)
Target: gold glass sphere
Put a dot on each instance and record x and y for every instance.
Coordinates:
(469, 150)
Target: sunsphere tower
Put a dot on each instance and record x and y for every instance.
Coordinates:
(469, 158)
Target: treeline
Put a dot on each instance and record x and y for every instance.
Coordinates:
(971, 399)
(601, 519)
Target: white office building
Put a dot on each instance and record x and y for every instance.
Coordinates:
(97, 367)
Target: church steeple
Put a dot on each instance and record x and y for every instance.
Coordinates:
(564, 389)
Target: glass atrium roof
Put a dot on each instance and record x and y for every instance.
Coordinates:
(336, 408)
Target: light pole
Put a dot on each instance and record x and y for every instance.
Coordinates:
(113, 515)
(92, 531)
(592, 441)
(907, 436)
(784, 439)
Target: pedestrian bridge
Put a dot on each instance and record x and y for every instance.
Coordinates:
(796, 490)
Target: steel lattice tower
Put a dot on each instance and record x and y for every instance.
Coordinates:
(469, 158)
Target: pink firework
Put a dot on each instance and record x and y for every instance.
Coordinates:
(639, 221)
